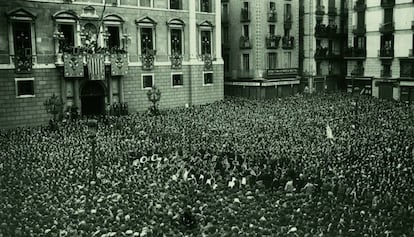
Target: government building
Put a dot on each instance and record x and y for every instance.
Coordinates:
(96, 54)
(260, 48)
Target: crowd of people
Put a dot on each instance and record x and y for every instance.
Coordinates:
(232, 168)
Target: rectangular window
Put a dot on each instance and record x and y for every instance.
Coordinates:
(114, 41)
(360, 42)
(69, 34)
(147, 81)
(272, 29)
(205, 6)
(246, 62)
(22, 37)
(208, 78)
(176, 4)
(147, 43)
(177, 80)
(246, 31)
(388, 15)
(176, 41)
(272, 60)
(288, 12)
(288, 60)
(361, 20)
(272, 5)
(24, 87)
(145, 3)
(205, 42)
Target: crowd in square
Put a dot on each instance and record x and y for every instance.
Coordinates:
(232, 168)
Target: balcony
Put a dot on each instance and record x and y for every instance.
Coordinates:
(386, 73)
(320, 53)
(245, 42)
(326, 31)
(387, 28)
(358, 71)
(355, 53)
(272, 41)
(288, 42)
(245, 15)
(386, 53)
(272, 16)
(287, 24)
(332, 11)
(176, 61)
(387, 3)
(360, 6)
(359, 30)
(148, 59)
(320, 10)
(23, 63)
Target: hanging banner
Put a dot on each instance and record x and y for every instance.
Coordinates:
(73, 65)
(119, 64)
(96, 66)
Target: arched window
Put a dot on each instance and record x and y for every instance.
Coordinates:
(65, 31)
(176, 36)
(146, 35)
(206, 38)
(22, 47)
(113, 32)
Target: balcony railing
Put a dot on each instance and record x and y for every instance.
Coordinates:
(386, 73)
(387, 27)
(23, 63)
(359, 30)
(176, 61)
(386, 53)
(148, 59)
(288, 42)
(360, 6)
(272, 41)
(320, 10)
(326, 31)
(244, 15)
(352, 52)
(272, 16)
(387, 3)
(245, 42)
(320, 53)
(332, 11)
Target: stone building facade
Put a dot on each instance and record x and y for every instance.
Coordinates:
(260, 47)
(96, 53)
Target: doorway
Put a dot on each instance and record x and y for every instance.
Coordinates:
(93, 98)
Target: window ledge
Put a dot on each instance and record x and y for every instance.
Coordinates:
(25, 96)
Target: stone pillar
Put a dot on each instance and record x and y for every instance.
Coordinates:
(121, 90)
(192, 25)
(76, 91)
(218, 29)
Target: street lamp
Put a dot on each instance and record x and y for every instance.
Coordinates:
(92, 131)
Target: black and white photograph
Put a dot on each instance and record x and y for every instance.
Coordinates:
(199, 118)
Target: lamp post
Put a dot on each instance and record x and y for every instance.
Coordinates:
(92, 131)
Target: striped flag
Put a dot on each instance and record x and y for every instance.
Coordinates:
(96, 66)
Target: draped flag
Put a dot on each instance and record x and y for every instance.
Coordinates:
(96, 66)
(73, 65)
(329, 134)
(119, 64)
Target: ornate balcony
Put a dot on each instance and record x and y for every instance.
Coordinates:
(272, 16)
(23, 63)
(245, 42)
(244, 15)
(387, 27)
(387, 3)
(176, 61)
(272, 41)
(355, 53)
(288, 42)
(148, 59)
(326, 31)
(208, 62)
(386, 53)
(359, 30)
(360, 6)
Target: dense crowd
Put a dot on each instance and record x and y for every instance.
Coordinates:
(232, 168)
